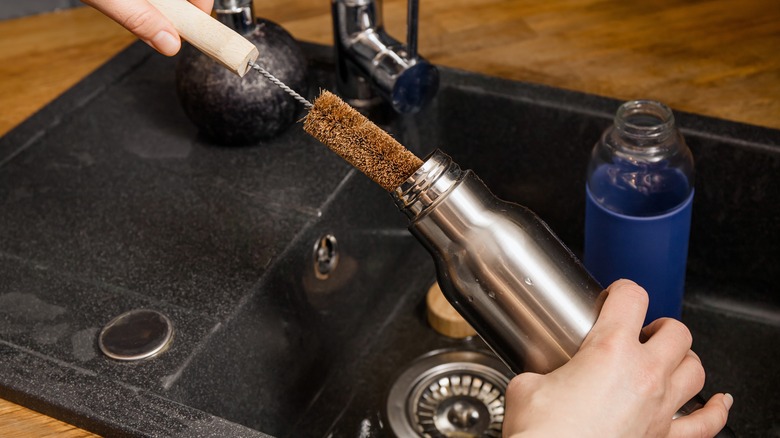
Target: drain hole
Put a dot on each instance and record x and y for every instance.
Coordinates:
(326, 256)
(462, 405)
(450, 394)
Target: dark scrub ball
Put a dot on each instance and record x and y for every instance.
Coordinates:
(230, 110)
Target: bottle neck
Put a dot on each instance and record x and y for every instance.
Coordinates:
(433, 180)
(644, 127)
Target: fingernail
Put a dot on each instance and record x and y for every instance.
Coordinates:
(728, 400)
(165, 43)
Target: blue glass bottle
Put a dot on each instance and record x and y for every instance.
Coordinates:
(639, 193)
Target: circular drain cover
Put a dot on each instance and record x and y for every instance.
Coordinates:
(449, 394)
(137, 334)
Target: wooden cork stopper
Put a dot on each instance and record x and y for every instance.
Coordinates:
(444, 318)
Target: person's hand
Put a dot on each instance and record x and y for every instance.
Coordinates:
(146, 22)
(617, 386)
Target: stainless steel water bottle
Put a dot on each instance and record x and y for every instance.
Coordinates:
(501, 267)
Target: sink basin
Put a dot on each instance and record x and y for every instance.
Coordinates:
(111, 201)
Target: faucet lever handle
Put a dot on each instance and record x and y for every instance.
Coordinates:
(412, 18)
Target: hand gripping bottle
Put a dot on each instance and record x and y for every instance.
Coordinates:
(639, 193)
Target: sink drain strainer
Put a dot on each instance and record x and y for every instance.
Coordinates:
(449, 394)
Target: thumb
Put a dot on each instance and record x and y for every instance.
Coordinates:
(706, 421)
(144, 20)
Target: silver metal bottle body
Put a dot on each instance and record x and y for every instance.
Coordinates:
(501, 267)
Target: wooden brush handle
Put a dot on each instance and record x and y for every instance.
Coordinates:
(210, 36)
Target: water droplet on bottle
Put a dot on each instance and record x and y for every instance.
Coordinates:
(528, 281)
(471, 299)
(492, 295)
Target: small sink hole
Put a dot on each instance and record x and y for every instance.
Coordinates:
(326, 256)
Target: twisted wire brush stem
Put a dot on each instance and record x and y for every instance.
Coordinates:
(281, 85)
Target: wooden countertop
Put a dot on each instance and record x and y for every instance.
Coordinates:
(714, 57)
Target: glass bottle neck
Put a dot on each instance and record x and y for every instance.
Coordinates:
(644, 127)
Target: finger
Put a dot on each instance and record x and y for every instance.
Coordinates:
(668, 341)
(625, 307)
(142, 19)
(203, 5)
(707, 421)
(687, 380)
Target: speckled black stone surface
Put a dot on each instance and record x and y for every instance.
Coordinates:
(110, 201)
(125, 193)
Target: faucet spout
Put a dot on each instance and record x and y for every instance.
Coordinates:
(371, 64)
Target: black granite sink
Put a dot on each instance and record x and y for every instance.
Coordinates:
(111, 201)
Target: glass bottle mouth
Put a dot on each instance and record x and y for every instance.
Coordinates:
(645, 120)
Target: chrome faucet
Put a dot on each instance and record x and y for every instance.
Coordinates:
(238, 15)
(370, 64)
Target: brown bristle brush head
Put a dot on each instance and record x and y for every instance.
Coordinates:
(363, 144)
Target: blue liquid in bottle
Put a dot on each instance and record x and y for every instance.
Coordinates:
(639, 194)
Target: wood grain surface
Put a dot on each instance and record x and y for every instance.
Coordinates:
(19, 422)
(719, 58)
